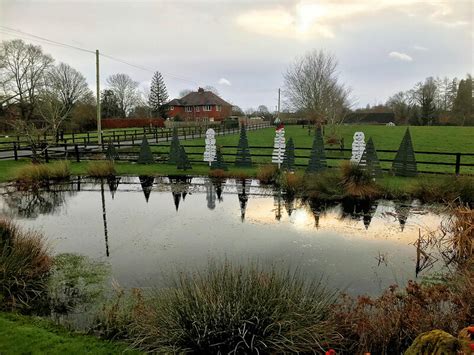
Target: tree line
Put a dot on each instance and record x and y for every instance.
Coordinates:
(435, 101)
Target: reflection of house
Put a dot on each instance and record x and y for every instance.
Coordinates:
(200, 105)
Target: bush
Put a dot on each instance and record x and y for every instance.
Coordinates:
(445, 189)
(101, 168)
(357, 182)
(43, 172)
(324, 185)
(292, 182)
(24, 268)
(267, 174)
(233, 309)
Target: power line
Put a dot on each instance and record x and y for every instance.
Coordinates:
(8, 30)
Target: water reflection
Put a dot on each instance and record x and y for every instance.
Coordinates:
(348, 240)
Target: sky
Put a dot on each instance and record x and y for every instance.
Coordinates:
(243, 48)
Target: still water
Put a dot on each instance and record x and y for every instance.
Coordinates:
(149, 228)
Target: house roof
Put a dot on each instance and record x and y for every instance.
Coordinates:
(199, 98)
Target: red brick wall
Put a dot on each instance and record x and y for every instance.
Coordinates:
(132, 122)
(225, 112)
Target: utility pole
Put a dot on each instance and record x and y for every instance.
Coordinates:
(99, 124)
(278, 112)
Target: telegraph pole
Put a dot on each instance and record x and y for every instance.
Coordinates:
(99, 124)
(278, 112)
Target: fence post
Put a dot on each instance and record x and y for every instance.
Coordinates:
(458, 163)
(133, 140)
(73, 138)
(85, 142)
(88, 138)
(15, 151)
(76, 150)
(46, 155)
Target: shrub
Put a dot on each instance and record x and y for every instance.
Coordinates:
(233, 309)
(324, 185)
(24, 268)
(357, 182)
(445, 189)
(218, 173)
(267, 173)
(43, 172)
(101, 168)
(292, 182)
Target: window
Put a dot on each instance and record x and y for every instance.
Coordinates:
(211, 119)
(207, 108)
(218, 108)
(171, 108)
(196, 108)
(188, 109)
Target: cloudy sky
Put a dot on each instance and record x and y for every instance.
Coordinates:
(242, 48)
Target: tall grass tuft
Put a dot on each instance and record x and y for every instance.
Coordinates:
(24, 268)
(446, 189)
(237, 309)
(357, 182)
(325, 185)
(101, 168)
(292, 182)
(43, 172)
(267, 174)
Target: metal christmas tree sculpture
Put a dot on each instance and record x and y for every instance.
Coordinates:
(404, 163)
(279, 145)
(358, 147)
(219, 162)
(145, 156)
(111, 153)
(174, 148)
(289, 160)
(317, 159)
(243, 157)
(210, 151)
(183, 161)
(370, 161)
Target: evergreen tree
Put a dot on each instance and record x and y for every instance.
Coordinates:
(183, 161)
(158, 96)
(243, 157)
(145, 156)
(219, 162)
(289, 160)
(317, 159)
(404, 163)
(174, 148)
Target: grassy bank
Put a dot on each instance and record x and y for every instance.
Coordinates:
(34, 335)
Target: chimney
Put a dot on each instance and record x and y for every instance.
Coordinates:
(200, 90)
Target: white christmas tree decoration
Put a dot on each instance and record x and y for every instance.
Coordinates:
(279, 146)
(358, 147)
(210, 151)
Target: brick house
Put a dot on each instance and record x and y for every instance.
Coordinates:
(200, 105)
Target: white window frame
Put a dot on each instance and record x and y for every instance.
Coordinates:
(218, 108)
(171, 108)
(207, 108)
(188, 109)
(196, 109)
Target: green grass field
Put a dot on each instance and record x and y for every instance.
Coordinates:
(32, 335)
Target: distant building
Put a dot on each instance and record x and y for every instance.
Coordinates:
(201, 105)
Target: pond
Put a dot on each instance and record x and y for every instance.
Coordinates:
(149, 228)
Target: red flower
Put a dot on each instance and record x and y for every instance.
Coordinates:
(331, 352)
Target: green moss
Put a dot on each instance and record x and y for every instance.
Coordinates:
(435, 342)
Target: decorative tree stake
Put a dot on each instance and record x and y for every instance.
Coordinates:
(174, 148)
(111, 153)
(146, 156)
(183, 161)
(219, 162)
(243, 157)
(289, 160)
(370, 161)
(210, 152)
(404, 163)
(317, 159)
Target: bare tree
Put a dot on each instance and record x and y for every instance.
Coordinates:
(125, 90)
(312, 87)
(22, 68)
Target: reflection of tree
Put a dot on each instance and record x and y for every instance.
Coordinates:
(113, 183)
(210, 195)
(104, 217)
(289, 199)
(278, 202)
(179, 188)
(243, 189)
(357, 209)
(402, 210)
(147, 185)
(36, 201)
(218, 186)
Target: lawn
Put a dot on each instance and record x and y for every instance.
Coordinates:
(32, 335)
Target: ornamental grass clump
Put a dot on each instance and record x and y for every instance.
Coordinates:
(357, 182)
(99, 169)
(33, 173)
(25, 266)
(267, 174)
(233, 309)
